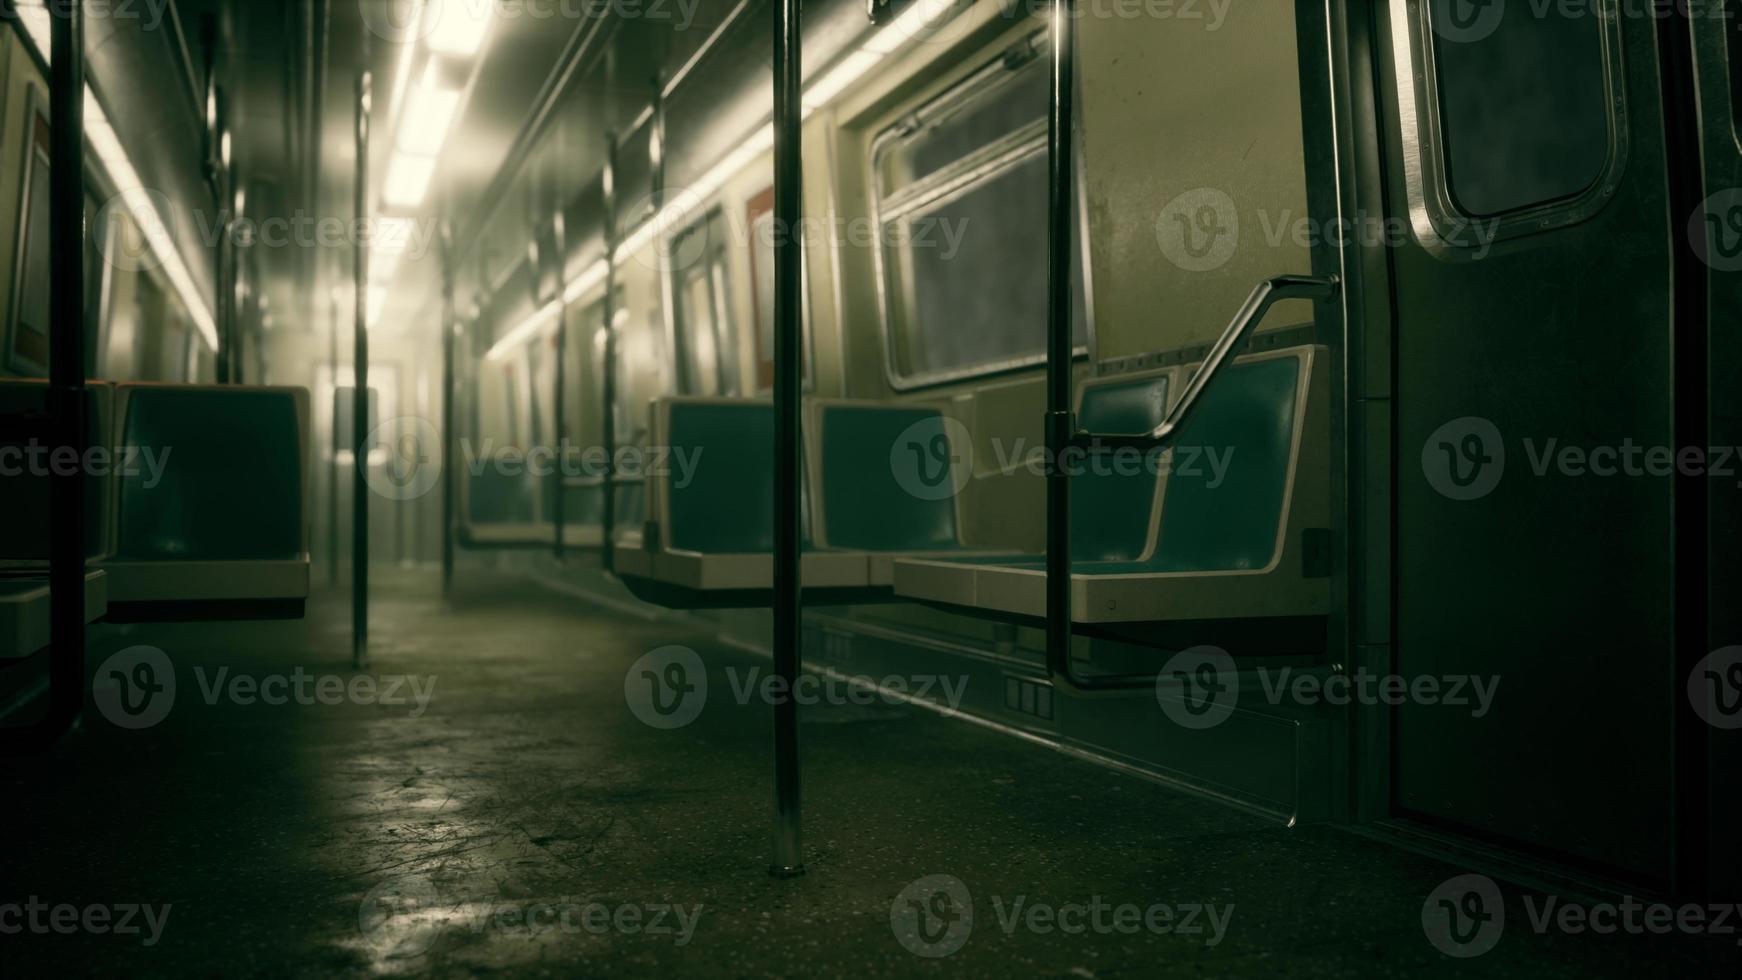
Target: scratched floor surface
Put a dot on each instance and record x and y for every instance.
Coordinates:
(489, 803)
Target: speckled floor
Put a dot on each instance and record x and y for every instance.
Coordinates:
(527, 823)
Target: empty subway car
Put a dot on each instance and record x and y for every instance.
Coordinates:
(1180, 469)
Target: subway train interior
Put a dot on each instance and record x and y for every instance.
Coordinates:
(871, 487)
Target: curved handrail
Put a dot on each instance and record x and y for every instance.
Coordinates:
(1266, 295)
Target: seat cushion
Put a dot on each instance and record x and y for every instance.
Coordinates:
(866, 506)
(727, 505)
(1229, 519)
(496, 497)
(27, 485)
(1111, 511)
(231, 488)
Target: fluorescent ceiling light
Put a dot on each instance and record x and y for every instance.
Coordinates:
(141, 205)
(408, 180)
(407, 52)
(384, 265)
(542, 317)
(823, 90)
(388, 246)
(424, 125)
(38, 24)
(457, 28)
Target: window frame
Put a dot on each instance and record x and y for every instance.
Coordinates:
(1440, 225)
(973, 171)
(760, 206)
(716, 259)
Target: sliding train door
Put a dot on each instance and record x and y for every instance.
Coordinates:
(1534, 571)
(1718, 72)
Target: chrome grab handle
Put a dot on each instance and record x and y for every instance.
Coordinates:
(1266, 295)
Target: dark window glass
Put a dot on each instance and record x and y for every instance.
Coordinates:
(1523, 102)
(707, 353)
(964, 226)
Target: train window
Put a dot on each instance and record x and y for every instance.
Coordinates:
(961, 209)
(27, 345)
(701, 309)
(631, 419)
(1521, 110)
(760, 213)
(540, 391)
(511, 402)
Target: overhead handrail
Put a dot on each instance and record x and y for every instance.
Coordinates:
(1061, 430)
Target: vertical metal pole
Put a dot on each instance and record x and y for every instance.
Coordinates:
(67, 393)
(656, 141)
(788, 208)
(236, 335)
(559, 401)
(1060, 345)
(226, 257)
(608, 515)
(360, 397)
(333, 458)
(450, 459)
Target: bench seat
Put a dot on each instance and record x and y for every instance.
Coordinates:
(1250, 543)
(221, 533)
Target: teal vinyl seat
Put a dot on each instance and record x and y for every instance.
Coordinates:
(499, 509)
(716, 533)
(26, 487)
(511, 510)
(1241, 535)
(220, 531)
(1112, 512)
(25, 483)
(890, 476)
(631, 516)
(709, 541)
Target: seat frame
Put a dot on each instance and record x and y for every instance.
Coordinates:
(208, 591)
(25, 603)
(1285, 589)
